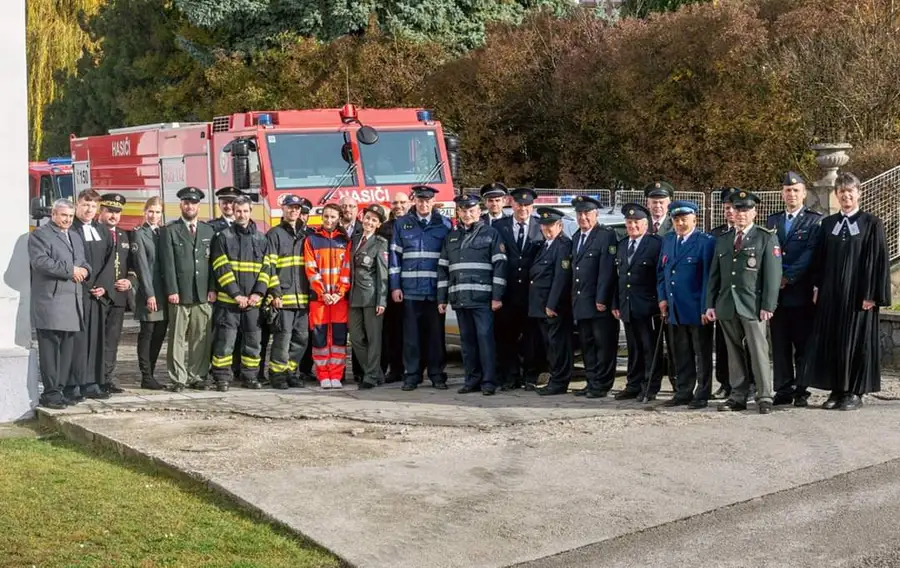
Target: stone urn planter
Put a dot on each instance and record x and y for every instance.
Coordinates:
(830, 157)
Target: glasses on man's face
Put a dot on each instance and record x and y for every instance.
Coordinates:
(399, 202)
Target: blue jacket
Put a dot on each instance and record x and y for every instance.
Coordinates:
(682, 276)
(796, 254)
(415, 252)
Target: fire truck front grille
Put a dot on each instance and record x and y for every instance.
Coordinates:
(221, 123)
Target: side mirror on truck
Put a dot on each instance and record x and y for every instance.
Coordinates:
(38, 211)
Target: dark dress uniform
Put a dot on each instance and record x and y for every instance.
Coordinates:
(593, 283)
(637, 303)
(149, 284)
(521, 352)
(89, 365)
(288, 282)
(472, 274)
(241, 268)
(368, 292)
(551, 287)
(123, 268)
(682, 273)
(790, 325)
(392, 327)
(661, 228)
(721, 347)
(489, 190)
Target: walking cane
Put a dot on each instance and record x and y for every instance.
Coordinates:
(645, 397)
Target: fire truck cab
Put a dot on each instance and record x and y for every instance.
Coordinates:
(48, 181)
(320, 154)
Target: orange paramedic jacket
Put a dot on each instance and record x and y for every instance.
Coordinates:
(326, 255)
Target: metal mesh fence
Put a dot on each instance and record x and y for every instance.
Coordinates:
(879, 197)
(624, 196)
(770, 202)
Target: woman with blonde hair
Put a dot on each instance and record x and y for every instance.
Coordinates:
(150, 296)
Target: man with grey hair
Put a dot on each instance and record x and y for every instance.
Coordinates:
(851, 274)
(58, 268)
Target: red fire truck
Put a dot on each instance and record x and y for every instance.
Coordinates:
(322, 154)
(48, 181)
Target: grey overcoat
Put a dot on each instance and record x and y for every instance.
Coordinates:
(149, 274)
(56, 300)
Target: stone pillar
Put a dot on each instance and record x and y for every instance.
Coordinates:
(18, 377)
(830, 157)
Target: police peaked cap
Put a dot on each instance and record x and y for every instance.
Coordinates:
(659, 189)
(494, 189)
(792, 178)
(681, 207)
(466, 200)
(291, 200)
(583, 203)
(635, 211)
(423, 191)
(726, 192)
(742, 199)
(228, 192)
(523, 195)
(190, 193)
(112, 201)
(376, 210)
(549, 215)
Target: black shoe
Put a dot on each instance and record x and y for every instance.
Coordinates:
(834, 400)
(440, 386)
(722, 393)
(673, 402)
(488, 391)
(764, 407)
(199, 385)
(54, 403)
(851, 402)
(392, 379)
(732, 405)
(152, 384)
(511, 386)
(175, 388)
(280, 385)
(112, 388)
(551, 391)
(697, 404)
(94, 393)
(366, 385)
(596, 394)
(295, 383)
(530, 387)
(580, 392)
(627, 395)
(253, 385)
(409, 387)
(466, 389)
(801, 402)
(222, 387)
(782, 399)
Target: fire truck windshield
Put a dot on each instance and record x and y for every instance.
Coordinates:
(403, 157)
(309, 160)
(64, 184)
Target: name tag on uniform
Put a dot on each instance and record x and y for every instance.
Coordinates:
(454, 239)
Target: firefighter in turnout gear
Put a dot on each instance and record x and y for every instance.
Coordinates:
(326, 255)
(242, 273)
(472, 275)
(122, 274)
(289, 295)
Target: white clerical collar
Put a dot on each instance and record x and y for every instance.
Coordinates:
(850, 214)
(90, 233)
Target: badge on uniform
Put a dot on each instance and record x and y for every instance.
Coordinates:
(367, 260)
(454, 239)
(384, 255)
(776, 251)
(134, 247)
(751, 262)
(407, 226)
(126, 246)
(502, 248)
(566, 264)
(612, 249)
(665, 258)
(207, 252)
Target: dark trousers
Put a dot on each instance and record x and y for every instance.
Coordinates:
(790, 331)
(265, 336)
(556, 334)
(289, 344)
(722, 359)
(228, 322)
(641, 342)
(476, 334)
(55, 350)
(692, 347)
(665, 364)
(599, 344)
(150, 341)
(423, 330)
(115, 317)
(89, 366)
(520, 350)
(392, 341)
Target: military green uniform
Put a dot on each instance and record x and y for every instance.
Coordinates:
(186, 272)
(743, 281)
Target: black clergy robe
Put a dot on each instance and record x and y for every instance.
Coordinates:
(850, 264)
(88, 366)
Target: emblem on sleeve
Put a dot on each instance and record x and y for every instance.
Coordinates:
(612, 249)
(502, 248)
(776, 251)
(566, 264)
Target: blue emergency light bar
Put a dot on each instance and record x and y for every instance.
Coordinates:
(59, 161)
(264, 120)
(423, 115)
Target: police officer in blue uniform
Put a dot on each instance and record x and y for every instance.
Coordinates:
(797, 228)
(494, 196)
(635, 303)
(472, 278)
(683, 270)
(521, 353)
(549, 299)
(593, 288)
(414, 254)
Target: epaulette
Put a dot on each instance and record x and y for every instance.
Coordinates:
(770, 231)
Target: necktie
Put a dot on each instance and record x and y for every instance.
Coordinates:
(788, 223)
(362, 242)
(631, 249)
(422, 223)
(192, 229)
(738, 239)
(520, 240)
(581, 241)
(680, 242)
(113, 233)
(655, 227)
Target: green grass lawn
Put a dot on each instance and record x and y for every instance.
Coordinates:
(61, 505)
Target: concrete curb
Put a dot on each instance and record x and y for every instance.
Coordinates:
(79, 434)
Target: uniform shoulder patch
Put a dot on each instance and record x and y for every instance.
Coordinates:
(502, 248)
(612, 249)
(566, 264)
(776, 251)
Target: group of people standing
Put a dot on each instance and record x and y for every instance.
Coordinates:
(527, 288)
